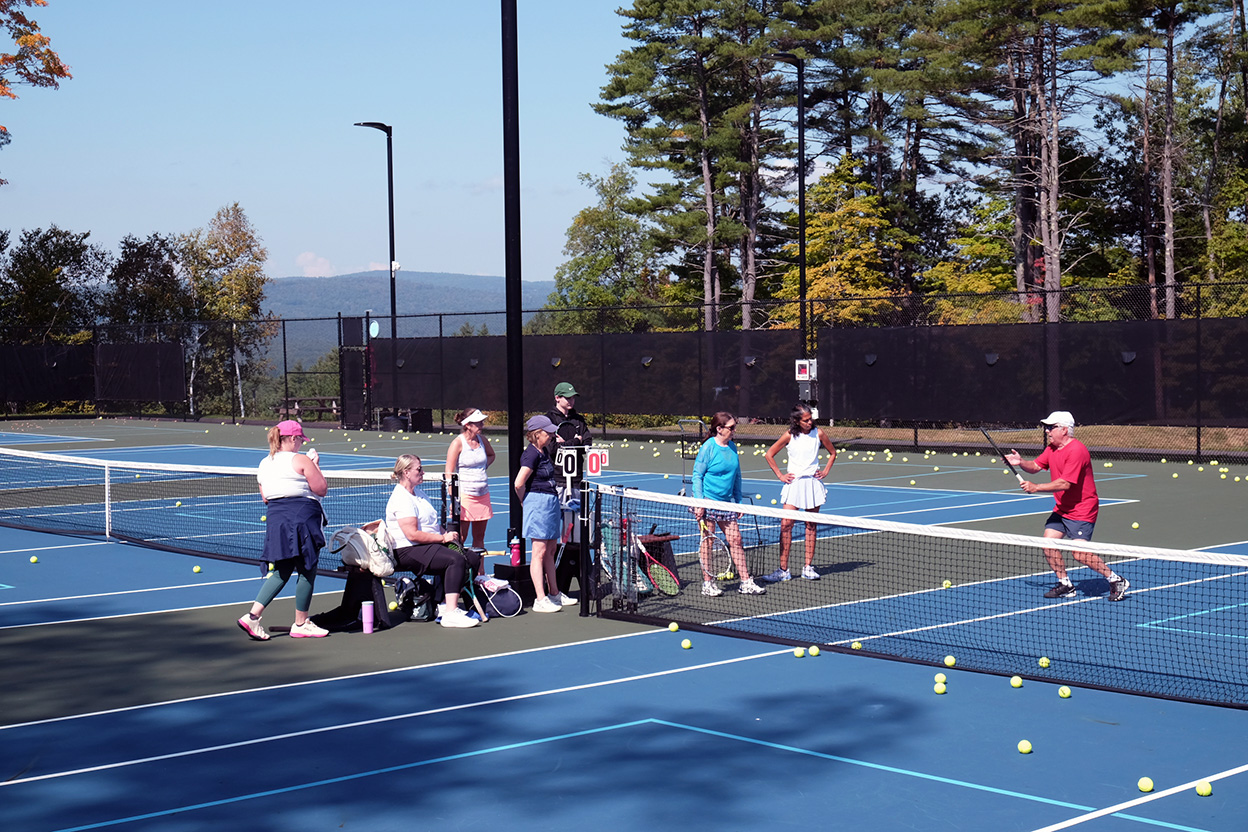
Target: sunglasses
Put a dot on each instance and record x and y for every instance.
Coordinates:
(729, 427)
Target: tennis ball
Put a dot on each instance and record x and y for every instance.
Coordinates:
(1204, 788)
(1175, 475)
(1145, 784)
(728, 576)
(205, 430)
(177, 504)
(950, 661)
(1135, 525)
(799, 653)
(936, 468)
(1016, 681)
(363, 446)
(197, 569)
(665, 476)
(394, 605)
(263, 517)
(947, 583)
(1163, 460)
(814, 650)
(136, 476)
(773, 502)
(673, 626)
(1044, 661)
(939, 687)
(271, 567)
(1024, 747)
(942, 678)
(1063, 692)
(686, 644)
(857, 645)
(912, 482)
(34, 558)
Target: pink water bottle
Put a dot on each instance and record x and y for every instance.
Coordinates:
(366, 612)
(516, 555)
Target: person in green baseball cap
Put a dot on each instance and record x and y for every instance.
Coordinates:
(572, 428)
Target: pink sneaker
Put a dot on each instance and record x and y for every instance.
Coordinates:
(307, 630)
(253, 628)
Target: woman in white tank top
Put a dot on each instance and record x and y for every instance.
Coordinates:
(803, 484)
(469, 455)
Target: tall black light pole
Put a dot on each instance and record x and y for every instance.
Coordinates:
(394, 312)
(800, 63)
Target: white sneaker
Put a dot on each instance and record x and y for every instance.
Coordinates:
(748, 587)
(253, 628)
(564, 600)
(457, 619)
(307, 630)
(711, 589)
(809, 573)
(546, 605)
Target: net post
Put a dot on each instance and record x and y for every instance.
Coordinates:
(108, 503)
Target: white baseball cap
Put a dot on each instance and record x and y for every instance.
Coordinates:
(1059, 417)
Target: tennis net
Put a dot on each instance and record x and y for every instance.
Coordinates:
(1178, 633)
(199, 510)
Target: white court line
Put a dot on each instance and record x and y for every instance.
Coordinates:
(51, 548)
(125, 592)
(1139, 801)
(130, 614)
(393, 718)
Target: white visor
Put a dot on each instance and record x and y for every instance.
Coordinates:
(474, 416)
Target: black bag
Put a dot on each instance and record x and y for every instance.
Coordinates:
(418, 602)
(501, 601)
(361, 586)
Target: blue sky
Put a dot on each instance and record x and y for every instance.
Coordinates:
(178, 108)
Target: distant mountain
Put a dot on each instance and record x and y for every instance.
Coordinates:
(416, 293)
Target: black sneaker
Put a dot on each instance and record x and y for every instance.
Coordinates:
(1118, 589)
(1061, 591)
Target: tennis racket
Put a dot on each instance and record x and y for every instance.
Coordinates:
(660, 576)
(1001, 454)
(716, 559)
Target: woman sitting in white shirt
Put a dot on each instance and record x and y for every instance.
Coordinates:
(422, 545)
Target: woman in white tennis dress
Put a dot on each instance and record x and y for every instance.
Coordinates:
(803, 484)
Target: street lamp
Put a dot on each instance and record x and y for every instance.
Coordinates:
(394, 266)
(800, 63)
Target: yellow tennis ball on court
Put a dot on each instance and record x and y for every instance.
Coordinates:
(197, 569)
(1135, 525)
(814, 650)
(1063, 692)
(799, 653)
(665, 476)
(136, 476)
(1145, 784)
(773, 502)
(758, 496)
(950, 661)
(857, 645)
(177, 504)
(1175, 475)
(947, 583)
(1204, 788)
(939, 687)
(936, 468)
(673, 626)
(942, 678)
(1024, 747)
(394, 605)
(1044, 661)
(34, 558)
(263, 517)
(686, 644)
(1016, 681)
(912, 482)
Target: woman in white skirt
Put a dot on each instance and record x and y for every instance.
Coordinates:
(803, 484)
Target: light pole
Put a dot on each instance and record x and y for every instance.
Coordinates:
(800, 63)
(394, 266)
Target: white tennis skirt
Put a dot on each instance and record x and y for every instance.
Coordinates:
(804, 493)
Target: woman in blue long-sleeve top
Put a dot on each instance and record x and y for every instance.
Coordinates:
(717, 476)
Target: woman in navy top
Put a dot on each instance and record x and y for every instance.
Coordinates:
(535, 486)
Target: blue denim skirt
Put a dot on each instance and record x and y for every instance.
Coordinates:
(542, 516)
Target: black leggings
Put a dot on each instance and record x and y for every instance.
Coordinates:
(436, 559)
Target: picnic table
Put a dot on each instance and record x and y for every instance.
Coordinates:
(296, 407)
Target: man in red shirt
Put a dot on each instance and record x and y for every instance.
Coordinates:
(1070, 470)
